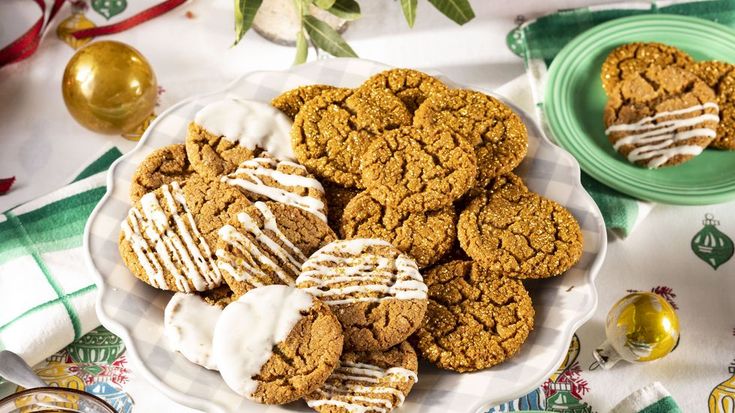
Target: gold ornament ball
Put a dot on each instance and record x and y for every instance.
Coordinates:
(109, 87)
(641, 327)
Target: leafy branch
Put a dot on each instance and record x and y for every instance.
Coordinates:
(323, 36)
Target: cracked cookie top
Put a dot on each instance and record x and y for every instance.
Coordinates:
(331, 131)
(229, 131)
(288, 346)
(417, 169)
(375, 290)
(497, 134)
(168, 237)
(425, 236)
(632, 59)
(291, 101)
(266, 244)
(162, 166)
(662, 117)
(411, 86)
(367, 381)
(518, 233)
(475, 319)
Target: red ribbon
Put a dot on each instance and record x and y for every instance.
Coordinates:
(132, 21)
(26, 45)
(5, 184)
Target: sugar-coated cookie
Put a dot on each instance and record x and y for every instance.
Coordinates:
(368, 381)
(476, 318)
(276, 344)
(168, 237)
(227, 132)
(375, 291)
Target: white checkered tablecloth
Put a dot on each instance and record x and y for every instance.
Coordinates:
(134, 311)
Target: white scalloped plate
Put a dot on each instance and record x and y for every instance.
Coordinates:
(134, 311)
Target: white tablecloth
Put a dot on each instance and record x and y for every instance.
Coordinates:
(43, 147)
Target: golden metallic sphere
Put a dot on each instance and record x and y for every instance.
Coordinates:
(109, 87)
(640, 327)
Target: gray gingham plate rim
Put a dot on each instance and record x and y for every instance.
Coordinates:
(122, 300)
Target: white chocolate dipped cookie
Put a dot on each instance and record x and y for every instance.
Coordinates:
(232, 130)
(267, 243)
(266, 179)
(276, 344)
(168, 237)
(188, 323)
(368, 381)
(664, 117)
(375, 290)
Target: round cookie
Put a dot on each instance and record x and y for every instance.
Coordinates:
(633, 59)
(711, 71)
(276, 344)
(368, 381)
(518, 233)
(229, 131)
(476, 318)
(188, 323)
(664, 117)
(337, 199)
(411, 86)
(498, 135)
(267, 243)
(415, 169)
(726, 99)
(425, 236)
(266, 179)
(331, 131)
(162, 166)
(168, 237)
(290, 102)
(375, 291)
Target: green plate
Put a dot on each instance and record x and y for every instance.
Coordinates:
(575, 100)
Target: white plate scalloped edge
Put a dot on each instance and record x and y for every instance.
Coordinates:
(548, 169)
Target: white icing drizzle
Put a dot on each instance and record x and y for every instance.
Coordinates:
(373, 278)
(188, 322)
(656, 143)
(249, 123)
(348, 383)
(167, 247)
(250, 327)
(249, 173)
(248, 255)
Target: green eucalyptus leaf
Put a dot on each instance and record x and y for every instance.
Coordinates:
(302, 48)
(345, 9)
(324, 4)
(244, 14)
(458, 10)
(409, 11)
(326, 38)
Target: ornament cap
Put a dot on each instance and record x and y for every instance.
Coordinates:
(709, 219)
(606, 356)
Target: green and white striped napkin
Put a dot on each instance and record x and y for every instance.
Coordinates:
(538, 41)
(47, 299)
(653, 398)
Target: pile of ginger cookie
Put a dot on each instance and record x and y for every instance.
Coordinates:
(319, 245)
